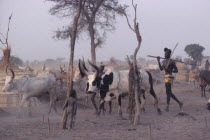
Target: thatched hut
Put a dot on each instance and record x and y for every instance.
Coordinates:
(183, 74)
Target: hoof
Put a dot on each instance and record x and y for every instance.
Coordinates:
(159, 111)
(120, 113)
(181, 105)
(143, 110)
(167, 109)
(98, 113)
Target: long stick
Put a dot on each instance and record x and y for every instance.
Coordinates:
(150, 132)
(206, 122)
(171, 59)
(155, 56)
(171, 56)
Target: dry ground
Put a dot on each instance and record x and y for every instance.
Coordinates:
(167, 126)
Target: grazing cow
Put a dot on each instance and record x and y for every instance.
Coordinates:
(204, 79)
(30, 87)
(114, 83)
(194, 77)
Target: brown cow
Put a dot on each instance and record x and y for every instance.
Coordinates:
(194, 77)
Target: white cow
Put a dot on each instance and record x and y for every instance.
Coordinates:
(114, 83)
(31, 87)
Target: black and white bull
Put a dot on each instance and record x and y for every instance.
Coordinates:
(29, 87)
(114, 83)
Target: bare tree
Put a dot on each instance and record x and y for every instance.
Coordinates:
(135, 75)
(97, 17)
(7, 50)
(73, 34)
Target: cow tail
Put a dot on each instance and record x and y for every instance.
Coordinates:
(152, 92)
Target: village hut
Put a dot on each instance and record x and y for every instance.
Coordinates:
(183, 74)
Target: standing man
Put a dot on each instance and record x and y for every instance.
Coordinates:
(207, 65)
(169, 66)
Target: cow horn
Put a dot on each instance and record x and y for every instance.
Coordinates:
(83, 63)
(61, 69)
(82, 72)
(95, 67)
(29, 68)
(6, 69)
(13, 74)
(44, 67)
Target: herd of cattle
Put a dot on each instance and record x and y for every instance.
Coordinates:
(112, 83)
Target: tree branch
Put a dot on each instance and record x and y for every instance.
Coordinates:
(128, 22)
(97, 7)
(8, 30)
(2, 36)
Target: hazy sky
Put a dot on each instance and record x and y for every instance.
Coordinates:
(163, 23)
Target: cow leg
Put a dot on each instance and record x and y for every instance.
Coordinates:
(204, 91)
(119, 105)
(29, 108)
(142, 99)
(52, 101)
(93, 101)
(194, 83)
(36, 101)
(23, 100)
(201, 86)
(152, 92)
(156, 105)
(110, 107)
(101, 106)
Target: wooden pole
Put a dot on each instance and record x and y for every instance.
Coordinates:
(48, 121)
(150, 132)
(206, 122)
(43, 118)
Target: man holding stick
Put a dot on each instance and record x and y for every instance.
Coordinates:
(169, 66)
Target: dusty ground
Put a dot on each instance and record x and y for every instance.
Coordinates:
(167, 126)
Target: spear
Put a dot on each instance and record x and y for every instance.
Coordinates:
(171, 59)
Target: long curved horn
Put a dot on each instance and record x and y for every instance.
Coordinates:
(80, 69)
(44, 67)
(95, 67)
(13, 74)
(29, 68)
(6, 69)
(61, 69)
(83, 63)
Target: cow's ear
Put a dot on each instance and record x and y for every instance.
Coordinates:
(110, 78)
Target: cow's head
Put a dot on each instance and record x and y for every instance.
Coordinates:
(82, 74)
(9, 82)
(93, 79)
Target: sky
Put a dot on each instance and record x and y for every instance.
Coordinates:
(163, 23)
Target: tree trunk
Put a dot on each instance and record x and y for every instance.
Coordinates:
(137, 76)
(136, 73)
(5, 59)
(70, 69)
(93, 44)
